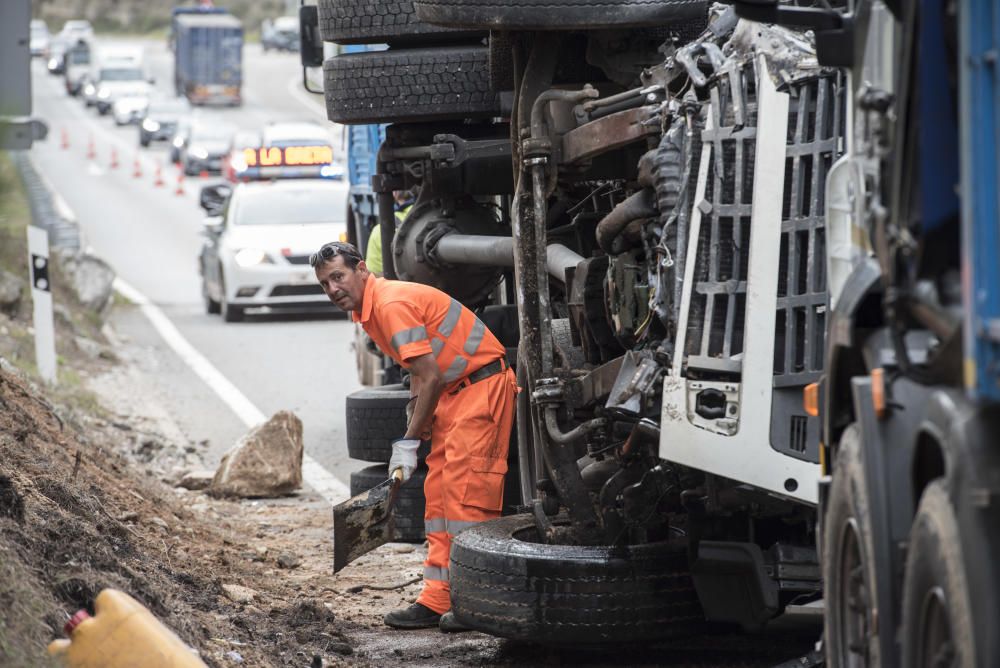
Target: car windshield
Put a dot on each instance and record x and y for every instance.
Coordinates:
(121, 74)
(168, 108)
(211, 133)
(79, 56)
(293, 206)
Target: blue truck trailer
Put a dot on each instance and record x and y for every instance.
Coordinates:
(208, 58)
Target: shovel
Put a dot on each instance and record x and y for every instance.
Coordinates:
(365, 521)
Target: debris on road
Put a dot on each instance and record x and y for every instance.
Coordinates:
(266, 462)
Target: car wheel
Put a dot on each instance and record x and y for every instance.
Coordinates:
(410, 85)
(937, 609)
(848, 563)
(408, 513)
(212, 307)
(375, 417)
(506, 582)
(144, 142)
(377, 21)
(556, 14)
(229, 312)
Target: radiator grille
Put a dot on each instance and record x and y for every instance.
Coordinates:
(296, 290)
(716, 318)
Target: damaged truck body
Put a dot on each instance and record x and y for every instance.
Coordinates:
(665, 211)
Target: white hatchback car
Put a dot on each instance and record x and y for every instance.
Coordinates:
(257, 251)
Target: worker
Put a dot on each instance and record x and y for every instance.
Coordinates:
(463, 399)
(373, 254)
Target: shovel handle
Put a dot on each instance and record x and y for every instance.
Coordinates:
(397, 474)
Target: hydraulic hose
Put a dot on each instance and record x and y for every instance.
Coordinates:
(638, 205)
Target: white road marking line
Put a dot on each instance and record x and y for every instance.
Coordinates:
(316, 476)
(307, 99)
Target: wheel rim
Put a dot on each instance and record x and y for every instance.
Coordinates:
(935, 648)
(853, 594)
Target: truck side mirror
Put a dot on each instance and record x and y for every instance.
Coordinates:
(834, 31)
(310, 42)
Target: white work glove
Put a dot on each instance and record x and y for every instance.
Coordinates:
(404, 456)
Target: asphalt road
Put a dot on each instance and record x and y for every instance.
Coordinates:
(151, 235)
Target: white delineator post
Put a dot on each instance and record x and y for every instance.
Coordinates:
(41, 295)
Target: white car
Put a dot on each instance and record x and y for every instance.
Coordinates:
(130, 109)
(39, 38)
(257, 252)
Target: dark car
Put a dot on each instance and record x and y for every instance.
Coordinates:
(204, 147)
(162, 119)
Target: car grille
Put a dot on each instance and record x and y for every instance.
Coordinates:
(296, 290)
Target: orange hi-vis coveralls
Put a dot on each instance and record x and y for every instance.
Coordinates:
(471, 427)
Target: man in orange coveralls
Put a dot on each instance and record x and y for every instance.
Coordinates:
(463, 399)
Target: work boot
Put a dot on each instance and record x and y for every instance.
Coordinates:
(449, 624)
(417, 616)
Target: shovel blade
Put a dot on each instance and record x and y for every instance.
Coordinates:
(363, 522)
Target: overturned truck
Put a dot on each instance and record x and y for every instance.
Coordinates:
(633, 201)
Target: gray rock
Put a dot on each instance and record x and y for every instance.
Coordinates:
(265, 462)
(196, 480)
(11, 289)
(288, 560)
(90, 278)
(238, 593)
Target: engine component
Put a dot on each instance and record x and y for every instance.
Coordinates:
(636, 389)
(628, 297)
(587, 311)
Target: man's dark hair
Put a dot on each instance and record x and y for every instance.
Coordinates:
(331, 250)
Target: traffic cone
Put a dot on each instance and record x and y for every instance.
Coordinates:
(180, 184)
(91, 151)
(137, 169)
(203, 174)
(114, 158)
(64, 143)
(158, 181)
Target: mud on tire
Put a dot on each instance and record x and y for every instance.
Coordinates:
(505, 583)
(377, 21)
(410, 85)
(408, 512)
(556, 14)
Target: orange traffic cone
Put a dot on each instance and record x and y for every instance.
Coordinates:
(158, 181)
(203, 174)
(91, 151)
(137, 169)
(114, 158)
(64, 143)
(180, 184)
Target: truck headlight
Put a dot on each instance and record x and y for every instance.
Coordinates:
(250, 257)
(149, 125)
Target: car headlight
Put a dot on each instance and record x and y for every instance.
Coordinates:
(178, 142)
(198, 152)
(89, 89)
(53, 63)
(104, 93)
(250, 257)
(149, 125)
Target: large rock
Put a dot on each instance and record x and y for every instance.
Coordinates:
(267, 461)
(89, 277)
(11, 290)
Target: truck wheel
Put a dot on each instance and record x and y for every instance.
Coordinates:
(848, 566)
(376, 416)
(556, 14)
(410, 85)
(506, 583)
(408, 512)
(937, 610)
(377, 21)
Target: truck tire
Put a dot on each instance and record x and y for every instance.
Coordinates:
(556, 14)
(378, 21)
(505, 583)
(376, 416)
(408, 513)
(410, 85)
(937, 610)
(848, 566)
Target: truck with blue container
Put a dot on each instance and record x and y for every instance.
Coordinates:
(208, 57)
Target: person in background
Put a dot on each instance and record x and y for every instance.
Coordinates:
(373, 254)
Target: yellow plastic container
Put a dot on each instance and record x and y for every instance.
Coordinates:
(122, 634)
